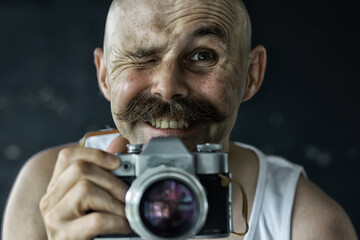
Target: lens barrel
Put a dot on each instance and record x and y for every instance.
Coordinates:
(166, 203)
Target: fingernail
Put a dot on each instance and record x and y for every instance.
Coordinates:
(112, 160)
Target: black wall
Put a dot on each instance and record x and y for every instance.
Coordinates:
(308, 109)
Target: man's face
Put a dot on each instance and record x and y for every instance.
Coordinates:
(171, 50)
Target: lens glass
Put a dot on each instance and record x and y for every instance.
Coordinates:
(168, 208)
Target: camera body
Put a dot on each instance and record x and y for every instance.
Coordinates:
(175, 194)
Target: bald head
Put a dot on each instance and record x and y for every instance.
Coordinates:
(179, 49)
(129, 11)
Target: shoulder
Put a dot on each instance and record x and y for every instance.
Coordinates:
(40, 167)
(23, 203)
(317, 216)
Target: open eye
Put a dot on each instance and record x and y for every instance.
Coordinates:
(201, 60)
(202, 56)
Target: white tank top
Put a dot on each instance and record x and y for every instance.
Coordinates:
(270, 217)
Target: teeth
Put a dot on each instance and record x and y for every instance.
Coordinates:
(158, 123)
(166, 123)
(173, 124)
(180, 124)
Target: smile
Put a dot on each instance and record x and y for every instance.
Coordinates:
(164, 123)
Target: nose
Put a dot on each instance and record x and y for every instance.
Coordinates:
(168, 82)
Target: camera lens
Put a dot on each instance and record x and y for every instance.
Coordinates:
(168, 208)
(166, 203)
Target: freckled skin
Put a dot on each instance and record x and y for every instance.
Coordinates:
(168, 27)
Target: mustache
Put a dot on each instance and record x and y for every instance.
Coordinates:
(146, 107)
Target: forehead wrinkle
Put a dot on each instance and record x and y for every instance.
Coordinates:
(229, 7)
(221, 14)
(204, 16)
(239, 12)
(203, 10)
(212, 30)
(210, 24)
(230, 18)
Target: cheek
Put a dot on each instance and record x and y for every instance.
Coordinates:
(125, 87)
(221, 91)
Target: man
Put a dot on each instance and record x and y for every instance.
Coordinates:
(170, 68)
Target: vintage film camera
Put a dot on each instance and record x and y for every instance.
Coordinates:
(175, 194)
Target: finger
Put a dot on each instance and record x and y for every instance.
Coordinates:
(96, 223)
(86, 196)
(82, 171)
(118, 145)
(95, 156)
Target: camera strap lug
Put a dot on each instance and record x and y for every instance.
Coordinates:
(225, 181)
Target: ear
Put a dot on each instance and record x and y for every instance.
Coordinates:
(101, 72)
(256, 72)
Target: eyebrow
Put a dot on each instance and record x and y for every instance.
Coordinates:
(204, 31)
(146, 52)
(214, 31)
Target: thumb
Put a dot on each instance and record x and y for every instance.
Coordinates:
(118, 145)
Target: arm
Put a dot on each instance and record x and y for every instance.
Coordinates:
(317, 216)
(67, 193)
(22, 215)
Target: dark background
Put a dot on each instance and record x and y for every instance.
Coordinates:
(308, 109)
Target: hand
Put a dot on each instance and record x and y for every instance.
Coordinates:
(83, 198)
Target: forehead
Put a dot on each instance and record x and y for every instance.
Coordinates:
(147, 19)
(159, 14)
